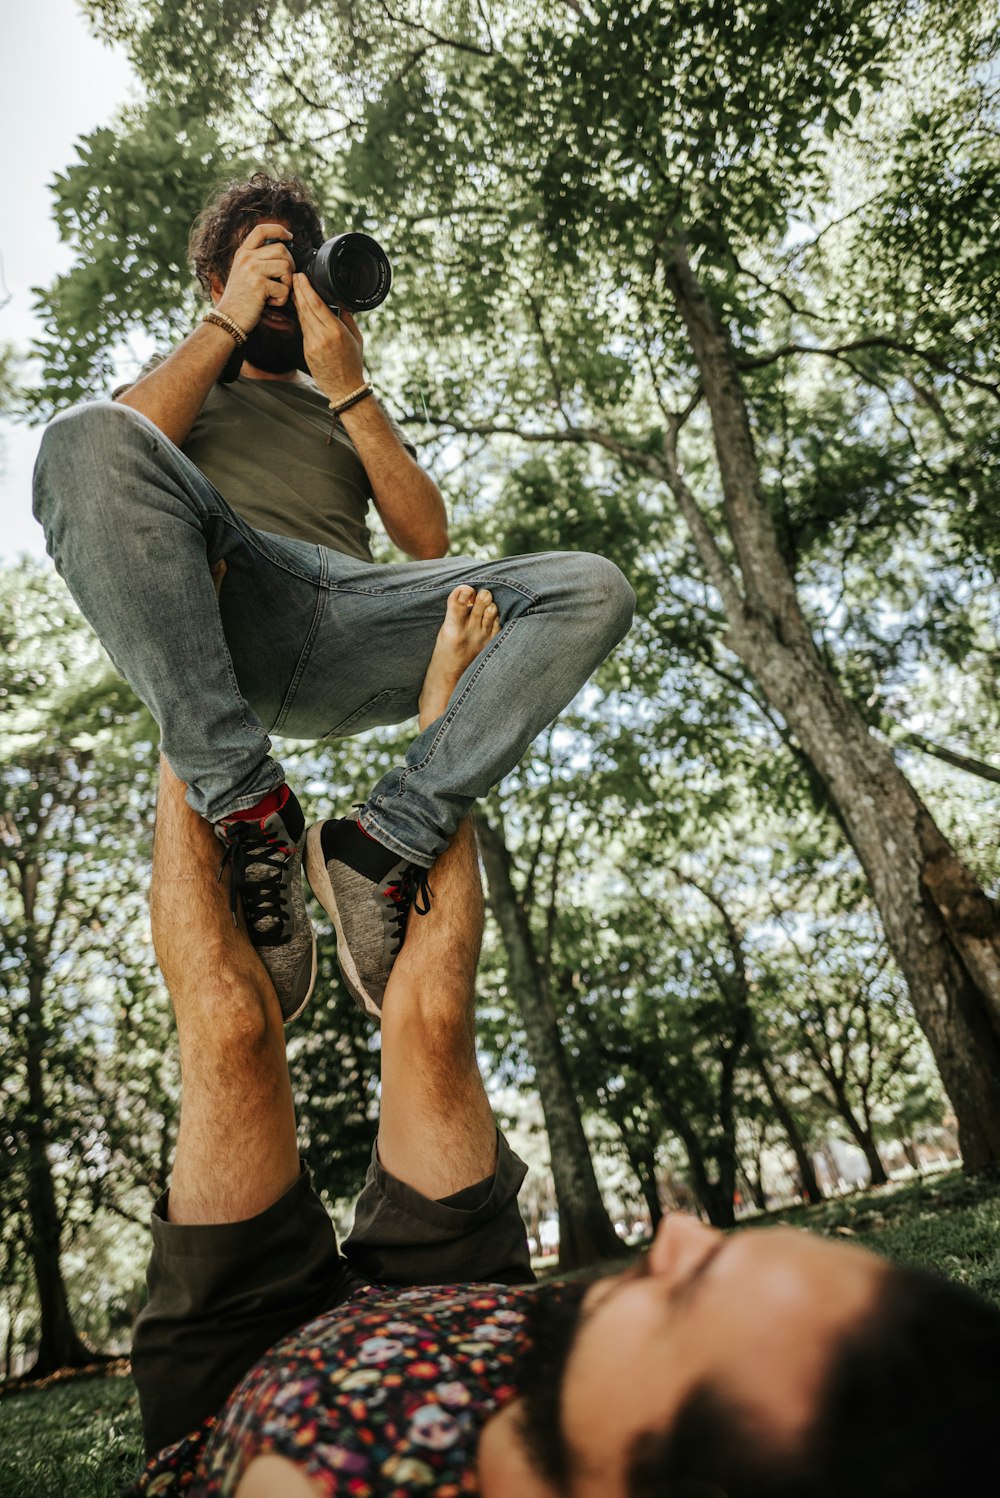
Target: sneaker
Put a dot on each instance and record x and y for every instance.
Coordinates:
(368, 891)
(266, 859)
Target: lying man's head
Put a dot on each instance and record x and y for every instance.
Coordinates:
(769, 1363)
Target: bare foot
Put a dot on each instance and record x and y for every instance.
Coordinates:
(470, 622)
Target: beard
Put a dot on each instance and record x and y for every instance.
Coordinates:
(554, 1316)
(276, 350)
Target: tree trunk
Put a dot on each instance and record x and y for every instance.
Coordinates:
(879, 1175)
(586, 1233)
(943, 929)
(754, 1182)
(642, 1158)
(59, 1346)
(715, 1196)
(807, 1171)
(861, 1135)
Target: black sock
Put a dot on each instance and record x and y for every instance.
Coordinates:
(344, 840)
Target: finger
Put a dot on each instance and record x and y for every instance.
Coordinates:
(303, 287)
(260, 232)
(277, 270)
(313, 311)
(347, 318)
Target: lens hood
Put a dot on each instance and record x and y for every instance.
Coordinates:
(351, 270)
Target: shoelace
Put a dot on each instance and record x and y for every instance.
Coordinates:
(262, 898)
(412, 891)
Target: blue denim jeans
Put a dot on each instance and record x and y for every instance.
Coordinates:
(303, 640)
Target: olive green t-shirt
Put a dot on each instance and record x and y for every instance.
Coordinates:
(263, 445)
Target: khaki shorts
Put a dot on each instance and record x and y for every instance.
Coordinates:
(220, 1296)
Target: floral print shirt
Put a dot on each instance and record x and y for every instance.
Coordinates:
(382, 1397)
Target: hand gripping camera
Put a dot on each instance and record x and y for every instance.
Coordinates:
(351, 270)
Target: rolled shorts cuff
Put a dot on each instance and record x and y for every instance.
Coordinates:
(400, 1237)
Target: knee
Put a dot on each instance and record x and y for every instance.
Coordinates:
(230, 1022)
(434, 1022)
(612, 595)
(86, 439)
(80, 461)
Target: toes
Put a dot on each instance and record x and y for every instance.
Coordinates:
(483, 600)
(491, 618)
(460, 599)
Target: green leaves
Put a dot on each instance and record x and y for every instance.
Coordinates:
(125, 206)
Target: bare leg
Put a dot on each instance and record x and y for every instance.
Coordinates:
(236, 1148)
(436, 1128)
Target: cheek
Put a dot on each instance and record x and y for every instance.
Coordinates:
(628, 1372)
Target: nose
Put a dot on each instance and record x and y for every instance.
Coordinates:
(682, 1242)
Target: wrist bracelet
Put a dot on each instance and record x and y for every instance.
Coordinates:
(228, 325)
(337, 407)
(351, 400)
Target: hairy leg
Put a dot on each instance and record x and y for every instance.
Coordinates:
(236, 1148)
(436, 1127)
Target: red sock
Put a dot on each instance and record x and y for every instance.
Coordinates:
(272, 802)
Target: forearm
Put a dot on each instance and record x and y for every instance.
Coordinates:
(173, 393)
(407, 499)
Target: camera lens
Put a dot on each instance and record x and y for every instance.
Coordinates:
(351, 270)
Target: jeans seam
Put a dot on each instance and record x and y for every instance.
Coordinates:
(306, 652)
(474, 581)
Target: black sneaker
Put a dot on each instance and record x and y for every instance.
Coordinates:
(368, 892)
(266, 859)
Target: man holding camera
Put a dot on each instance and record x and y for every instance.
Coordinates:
(213, 533)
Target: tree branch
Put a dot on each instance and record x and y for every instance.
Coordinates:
(836, 351)
(965, 762)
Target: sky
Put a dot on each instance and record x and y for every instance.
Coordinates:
(58, 83)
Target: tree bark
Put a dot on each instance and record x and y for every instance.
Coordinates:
(859, 1132)
(642, 1158)
(803, 1159)
(586, 1233)
(943, 929)
(59, 1345)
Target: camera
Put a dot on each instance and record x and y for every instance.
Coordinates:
(351, 270)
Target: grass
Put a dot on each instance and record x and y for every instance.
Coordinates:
(80, 1436)
(77, 1437)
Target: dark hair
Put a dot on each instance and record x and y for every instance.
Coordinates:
(908, 1410)
(235, 207)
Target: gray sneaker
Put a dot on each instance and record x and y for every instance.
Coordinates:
(368, 891)
(266, 859)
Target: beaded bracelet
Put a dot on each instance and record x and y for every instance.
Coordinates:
(228, 325)
(338, 407)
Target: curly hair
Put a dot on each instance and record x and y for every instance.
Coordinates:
(232, 211)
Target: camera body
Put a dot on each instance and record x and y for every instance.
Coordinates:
(351, 270)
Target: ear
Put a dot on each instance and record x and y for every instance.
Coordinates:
(216, 285)
(504, 1467)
